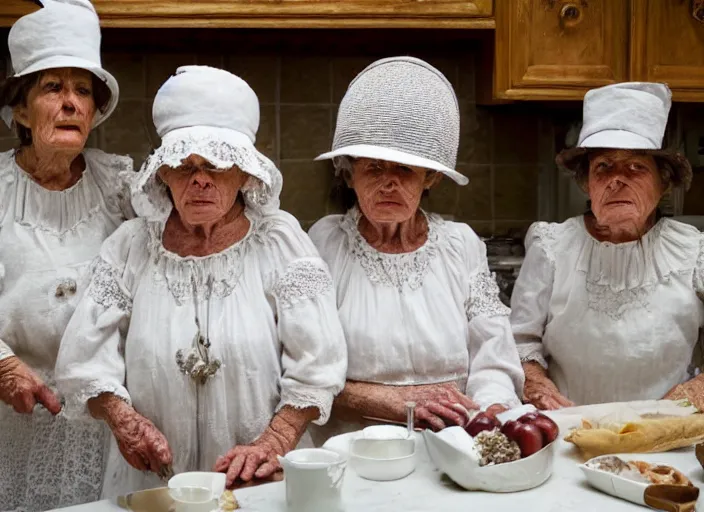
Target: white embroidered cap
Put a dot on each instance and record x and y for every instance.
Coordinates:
(214, 114)
(630, 115)
(403, 110)
(62, 34)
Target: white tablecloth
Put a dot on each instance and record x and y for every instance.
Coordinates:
(428, 490)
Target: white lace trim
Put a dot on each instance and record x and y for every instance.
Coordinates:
(484, 297)
(304, 279)
(75, 405)
(621, 277)
(304, 397)
(105, 288)
(5, 351)
(215, 275)
(397, 270)
(63, 212)
(532, 352)
(150, 197)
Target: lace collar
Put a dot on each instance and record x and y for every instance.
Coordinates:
(202, 276)
(397, 270)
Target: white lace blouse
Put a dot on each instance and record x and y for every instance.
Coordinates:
(431, 315)
(611, 322)
(47, 242)
(267, 306)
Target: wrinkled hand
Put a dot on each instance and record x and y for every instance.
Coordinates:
(494, 410)
(692, 390)
(437, 405)
(247, 462)
(22, 389)
(142, 445)
(540, 391)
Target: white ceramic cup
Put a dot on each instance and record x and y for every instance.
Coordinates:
(196, 491)
(313, 479)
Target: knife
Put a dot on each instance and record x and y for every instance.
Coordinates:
(672, 498)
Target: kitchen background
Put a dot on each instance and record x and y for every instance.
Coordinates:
(507, 151)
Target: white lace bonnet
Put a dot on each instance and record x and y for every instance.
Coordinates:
(214, 114)
(403, 110)
(63, 34)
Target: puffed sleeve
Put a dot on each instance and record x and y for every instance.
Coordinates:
(314, 357)
(5, 351)
(114, 175)
(531, 297)
(698, 271)
(495, 372)
(91, 355)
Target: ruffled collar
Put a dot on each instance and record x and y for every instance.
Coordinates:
(397, 270)
(201, 276)
(54, 211)
(668, 248)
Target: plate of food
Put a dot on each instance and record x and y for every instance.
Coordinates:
(490, 456)
(631, 478)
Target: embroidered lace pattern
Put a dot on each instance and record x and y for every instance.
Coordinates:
(397, 270)
(47, 462)
(75, 403)
(150, 196)
(545, 235)
(484, 297)
(303, 279)
(302, 398)
(532, 352)
(105, 287)
(215, 275)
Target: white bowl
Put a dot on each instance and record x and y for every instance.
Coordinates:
(197, 490)
(514, 476)
(383, 459)
(615, 485)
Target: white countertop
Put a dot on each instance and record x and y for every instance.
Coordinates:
(428, 490)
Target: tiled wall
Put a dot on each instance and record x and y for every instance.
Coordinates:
(507, 151)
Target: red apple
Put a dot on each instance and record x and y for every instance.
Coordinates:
(509, 429)
(529, 417)
(528, 437)
(547, 427)
(480, 423)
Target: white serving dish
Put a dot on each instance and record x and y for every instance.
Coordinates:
(196, 491)
(465, 471)
(615, 485)
(383, 459)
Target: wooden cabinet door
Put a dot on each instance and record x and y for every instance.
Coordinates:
(10, 10)
(559, 49)
(667, 45)
(287, 13)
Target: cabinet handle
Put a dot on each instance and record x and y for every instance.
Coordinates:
(570, 15)
(698, 10)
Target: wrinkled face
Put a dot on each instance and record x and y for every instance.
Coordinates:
(387, 191)
(202, 195)
(624, 187)
(59, 110)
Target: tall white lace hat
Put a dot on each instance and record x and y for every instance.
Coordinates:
(214, 114)
(629, 115)
(62, 34)
(403, 110)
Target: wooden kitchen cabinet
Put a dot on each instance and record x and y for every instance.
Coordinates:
(667, 45)
(559, 49)
(283, 13)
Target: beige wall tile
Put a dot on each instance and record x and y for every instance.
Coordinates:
(442, 198)
(305, 131)
(305, 80)
(475, 199)
(129, 71)
(466, 77)
(214, 60)
(344, 70)
(512, 228)
(516, 192)
(475, 134)
(516, 137)
(126, 132)
(306, 189)
(160, 66)
(6, 144)
(266, 136)
(482, 228)
(259, 71)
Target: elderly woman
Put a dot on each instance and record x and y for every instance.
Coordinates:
(209, 328)
(419, 307)
(608, 306)
(58, 203)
